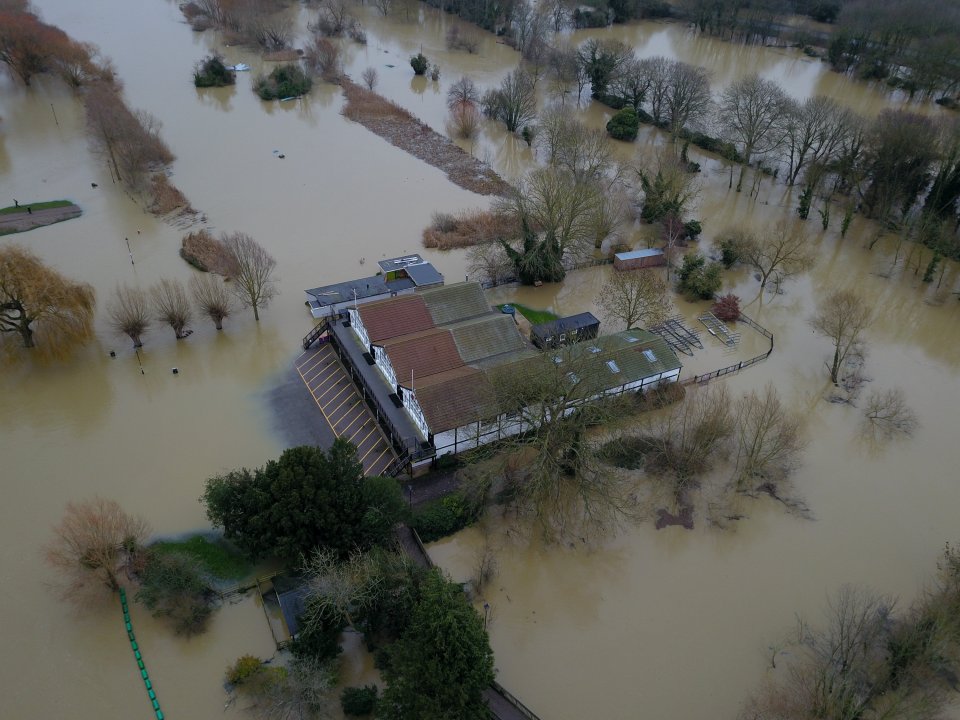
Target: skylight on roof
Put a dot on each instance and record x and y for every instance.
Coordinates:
(594, 349)
(557, 359)
(614, 368)
(631, 339)
(648, 354)
(573, 377)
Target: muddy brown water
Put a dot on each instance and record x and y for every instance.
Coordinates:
(651, 624)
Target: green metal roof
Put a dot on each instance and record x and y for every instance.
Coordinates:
(486, 336)
(452, 303)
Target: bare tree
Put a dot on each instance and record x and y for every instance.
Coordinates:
(94, 544)
(384, 6)
(254, 284)
(566, 71)
(514, 103)
(635, 297)
(212, 298)
(530, 24)
(842, 316)
(769, 440)
(171, 306)
(687, 96)
(322, 57)
(128, 312)
(632, 82)
(41, 306)
(585, 152)
(464, 121)
(369, 77)
(462, 92)
(488, 262)
(887, 415)
(781, 251)
(660, 70)
(815, 131)
(753, 110)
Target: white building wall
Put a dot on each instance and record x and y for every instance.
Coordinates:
(382, 360)
(357, 325)
(412, 407)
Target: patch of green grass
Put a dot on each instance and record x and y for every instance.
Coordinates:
(216, 557)
(536, 317)
(34, 206)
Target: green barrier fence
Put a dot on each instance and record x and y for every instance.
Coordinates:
(145, 676)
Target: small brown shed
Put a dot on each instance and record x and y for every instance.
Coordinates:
(637, 259)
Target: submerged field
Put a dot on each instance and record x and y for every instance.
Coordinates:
(650, 623)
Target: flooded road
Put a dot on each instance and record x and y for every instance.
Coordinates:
(668, 624)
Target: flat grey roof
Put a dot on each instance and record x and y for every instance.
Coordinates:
(399, 262)
(372, 286)
(634, 254)
(571, 322)
(424, 274)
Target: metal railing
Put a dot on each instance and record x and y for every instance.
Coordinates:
(736, 367)
(513, 700)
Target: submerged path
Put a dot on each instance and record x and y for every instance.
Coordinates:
(139, 658)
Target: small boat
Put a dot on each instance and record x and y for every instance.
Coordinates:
(240, 67)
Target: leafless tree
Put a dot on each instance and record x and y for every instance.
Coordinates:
(254, 284)
(465, 121)
(128, 312)
(94, 545)
(485, 565)
(462, 92)
(571, 145)
(635, 297)
(660, 70)
(687, 439)
(530, 24)
(815, 131)
(384, 6)
(322, 57)
(566, 71)
(489, 263)
(369, 77)
(782, 250)
(212, 298)
(886, 415)
(41, 307)
(842, 316)
(514, 103)
(688, 94)
(632, 82)
(302, 690)
(555, 474)
(753, 110)
(171, 306)
(457, 39)
(769, 440)
(333, 19)
(130, 141)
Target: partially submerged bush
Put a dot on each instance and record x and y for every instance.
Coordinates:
(359, 701)
(173, 586)
(285, 81)
(206, 253)
(699, 279)
(243, 669)
(624, 125)
(469, 227)
(727, 308)
(211, 72)
(322, 58)
(420, 64)
(166, 197)
(443, 517)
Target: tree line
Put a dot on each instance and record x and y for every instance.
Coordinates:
(47, 310)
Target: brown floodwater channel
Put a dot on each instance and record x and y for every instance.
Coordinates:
(668, 624)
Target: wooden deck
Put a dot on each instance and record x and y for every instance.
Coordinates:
(342, 409)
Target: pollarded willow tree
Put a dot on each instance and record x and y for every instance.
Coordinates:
(129, 313)
(171, 306)
(94, 546)
(40, 306)
(212, 297)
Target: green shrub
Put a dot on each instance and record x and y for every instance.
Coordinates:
(243, 669)
(211, 72)
(173, 586)
(443, 517)
(420, 64)
(693, 228)
(319, 641)
(359, 701)
(285, 81)
(624, 125)
(699, 279)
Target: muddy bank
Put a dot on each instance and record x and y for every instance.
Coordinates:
(26, 219)
(400, 128)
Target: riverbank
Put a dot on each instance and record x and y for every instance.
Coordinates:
(21, 218)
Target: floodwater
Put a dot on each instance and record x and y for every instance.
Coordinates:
(668, 624)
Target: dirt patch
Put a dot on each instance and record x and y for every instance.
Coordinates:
(403, 130)
(24, 220)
